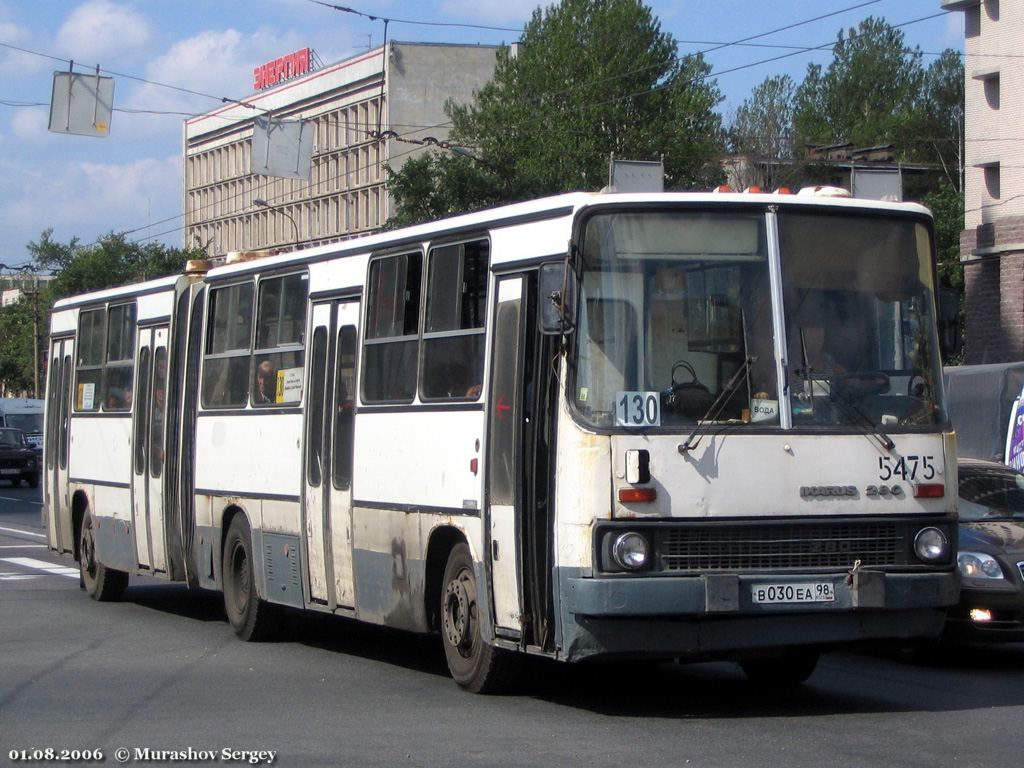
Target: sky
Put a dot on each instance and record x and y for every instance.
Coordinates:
(175, 58)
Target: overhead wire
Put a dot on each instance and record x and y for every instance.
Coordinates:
(716, 46)
(652, 90)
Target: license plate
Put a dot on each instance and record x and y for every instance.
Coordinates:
(804, 592)
(10, 471)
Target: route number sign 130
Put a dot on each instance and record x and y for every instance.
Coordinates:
(637, 409)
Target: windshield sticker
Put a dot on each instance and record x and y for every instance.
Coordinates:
(763, 409)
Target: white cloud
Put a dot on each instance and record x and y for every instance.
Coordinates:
(30, 123)
(100, 30)
(12, 61)
(89, 199)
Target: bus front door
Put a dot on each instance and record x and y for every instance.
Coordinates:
(327, 507)
(504, 460)
(520, 417)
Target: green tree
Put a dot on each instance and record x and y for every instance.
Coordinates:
(111, 261)
(590, 78)
(947, 206)
(75, 268)
(941, 128)
(869, 94)
(761, 134)
(16, 352)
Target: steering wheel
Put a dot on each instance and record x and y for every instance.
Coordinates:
(861, 384)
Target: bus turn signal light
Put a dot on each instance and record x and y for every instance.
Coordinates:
(636, 495)
(929, 491)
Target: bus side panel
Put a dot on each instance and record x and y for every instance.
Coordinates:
(101, 453)
(251, 462)
(420, 458)
(390, 560)
(112, 525)
(255, 453)
(413, 471)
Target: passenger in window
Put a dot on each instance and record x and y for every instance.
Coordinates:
(115, 399)
(265, 391)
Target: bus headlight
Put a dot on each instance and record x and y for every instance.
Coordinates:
(931, 545)
(631, 551)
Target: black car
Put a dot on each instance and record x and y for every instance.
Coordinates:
(17, 460)
(991, 554)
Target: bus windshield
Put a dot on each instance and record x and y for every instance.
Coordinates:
(676, 321)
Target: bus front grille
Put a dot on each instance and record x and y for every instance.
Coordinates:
(755, 547)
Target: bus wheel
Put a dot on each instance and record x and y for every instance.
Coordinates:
(475, 665)
(102, 583)
(790, 670)
(251, 618)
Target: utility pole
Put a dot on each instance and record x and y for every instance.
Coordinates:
(35, 335)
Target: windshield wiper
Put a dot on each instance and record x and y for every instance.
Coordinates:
(845, 404)
(717, 406)
(848, 407)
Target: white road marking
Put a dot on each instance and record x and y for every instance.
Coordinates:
(42, 565)
(19, 576)
(23, 533)
(22, 546)
(26, 501)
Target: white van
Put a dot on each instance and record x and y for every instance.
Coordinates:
(26, 414)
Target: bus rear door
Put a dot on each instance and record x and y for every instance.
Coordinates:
(58, 513)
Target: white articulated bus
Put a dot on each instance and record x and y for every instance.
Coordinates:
(589, 426)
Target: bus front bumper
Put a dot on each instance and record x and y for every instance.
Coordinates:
(716, 615)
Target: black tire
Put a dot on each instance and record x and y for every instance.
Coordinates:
(102, 583)
(789, 670)
(253, 619)
(32, 481)
(475, 665)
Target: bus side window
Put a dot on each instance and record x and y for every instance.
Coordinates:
(392, 328)
(120, 361)
(280, 326)
(453, 338)
(92, 325)
(228, 347)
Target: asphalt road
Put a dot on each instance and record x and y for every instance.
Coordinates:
(161, 670)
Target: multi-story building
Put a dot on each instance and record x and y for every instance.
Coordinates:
(370, 111)
(992, 243)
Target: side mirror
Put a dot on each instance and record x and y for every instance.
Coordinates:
(951, 341)
(557, 299)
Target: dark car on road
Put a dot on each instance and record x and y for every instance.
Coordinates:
(18, 461)
(991, 554)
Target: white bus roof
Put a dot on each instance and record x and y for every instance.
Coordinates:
(564, 206)
(559, 206)
(123, 291)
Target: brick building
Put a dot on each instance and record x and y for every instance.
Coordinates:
(992, 243)
(402, 94)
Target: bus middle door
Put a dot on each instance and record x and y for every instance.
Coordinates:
(330, 423)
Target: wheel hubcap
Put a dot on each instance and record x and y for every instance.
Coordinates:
(460, 612)
(239, 577)
(87, 554)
